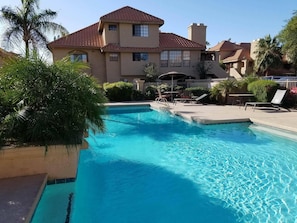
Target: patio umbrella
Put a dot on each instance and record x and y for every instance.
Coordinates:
(174, 75)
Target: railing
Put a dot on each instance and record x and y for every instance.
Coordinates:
(287, 83)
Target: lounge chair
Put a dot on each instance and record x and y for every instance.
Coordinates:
(184, 100)
(276, 101)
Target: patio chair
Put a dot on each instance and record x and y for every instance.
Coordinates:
(276, 101)
(184, 100)
(161, 98)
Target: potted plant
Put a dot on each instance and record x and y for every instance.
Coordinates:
(47, 106)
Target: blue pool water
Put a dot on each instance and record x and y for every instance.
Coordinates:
(152, 167)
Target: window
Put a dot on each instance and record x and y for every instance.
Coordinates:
(113, 57)
(140, 30)
(164, 59)
(175, 58)
(140, 56)
(79, 57)
(186, 58)
(112, 27)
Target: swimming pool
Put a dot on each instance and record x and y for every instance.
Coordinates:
(154, 167)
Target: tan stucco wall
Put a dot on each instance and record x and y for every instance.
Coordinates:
(135, 68)
(113, 69)
(128, 40)
(58, 162)
(224, 54)
(110, 36)
(197, 33)
(96, 61)
(254, 47)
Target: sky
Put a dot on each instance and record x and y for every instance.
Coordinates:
(238, 21)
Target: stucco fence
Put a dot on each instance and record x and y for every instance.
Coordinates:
(58, 161)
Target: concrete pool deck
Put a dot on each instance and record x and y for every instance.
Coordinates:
(19, 195)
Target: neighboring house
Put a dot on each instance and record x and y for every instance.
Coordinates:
(235, 57)
(124, 41)
(5, 54)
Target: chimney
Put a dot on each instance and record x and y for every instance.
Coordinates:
(197, 33)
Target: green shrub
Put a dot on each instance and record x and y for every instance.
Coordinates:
(48, 104)
(197, 91)
(244, 82)
(137, 95)
(118, 91)
(150, 93)
(263, 89)
(220, 91)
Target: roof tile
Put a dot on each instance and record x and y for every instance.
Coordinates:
(131, 15)
(88, 37)
(173, 41)
(225, 46)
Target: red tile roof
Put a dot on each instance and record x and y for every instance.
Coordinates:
(168, 41)
(236, 56)
(130, 15)
(237, 52)
(225, 46)
(90, 37)
(173, 41)
(112, 47)
(85, 38)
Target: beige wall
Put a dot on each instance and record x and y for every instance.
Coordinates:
(58, 162)
(135, 68)
(128, 40)
(110, 36)
(113, 69)
(197, 33)
(224, 54)
(96, 61)
(254, 46)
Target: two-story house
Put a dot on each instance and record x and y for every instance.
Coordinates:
(235, 57)
(124, 41)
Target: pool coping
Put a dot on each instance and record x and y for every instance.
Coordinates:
(19, 197)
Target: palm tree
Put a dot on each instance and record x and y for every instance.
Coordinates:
(268, 54)
(48, 104)
(26, 24)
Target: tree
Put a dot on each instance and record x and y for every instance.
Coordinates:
(268, 55)
(288, 37)
(26, 24)
(151, 72)
(203, 68)
(48, 104)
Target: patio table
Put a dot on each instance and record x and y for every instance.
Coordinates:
(240, 98)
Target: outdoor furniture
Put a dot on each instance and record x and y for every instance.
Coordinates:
(240, 98)
(161, 97)
(173, 75)
(276, 101)
(196, 100)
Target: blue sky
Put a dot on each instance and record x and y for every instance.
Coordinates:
(240, 21)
